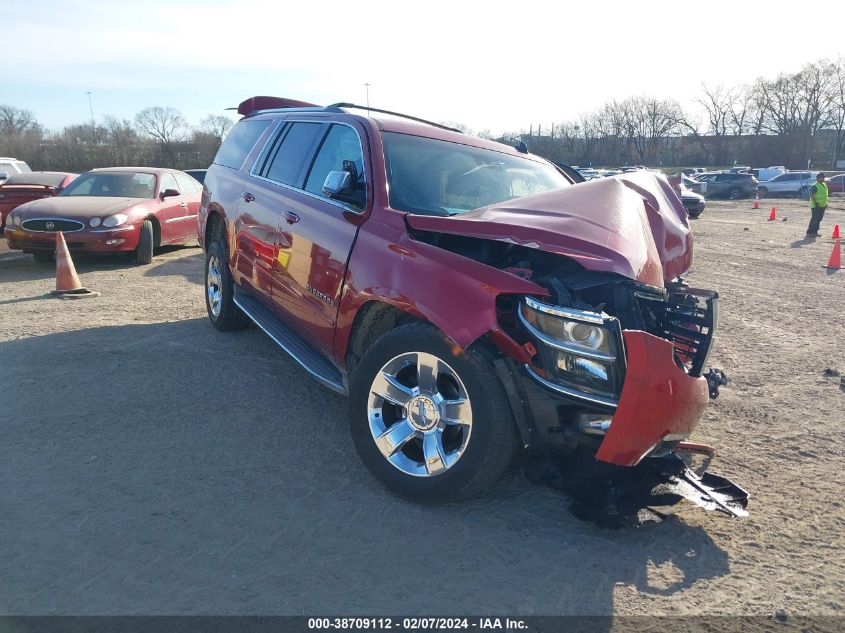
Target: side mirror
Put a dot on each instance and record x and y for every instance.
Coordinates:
(337, 183)
(169, 193)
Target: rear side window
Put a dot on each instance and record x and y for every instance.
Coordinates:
(239, 143)
(168, 182)
(288, 164)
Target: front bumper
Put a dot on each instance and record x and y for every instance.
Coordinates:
(121, 238)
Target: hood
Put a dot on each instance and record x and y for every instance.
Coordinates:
(633, 224)
(77, 207)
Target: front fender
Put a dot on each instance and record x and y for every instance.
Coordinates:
(454, 293)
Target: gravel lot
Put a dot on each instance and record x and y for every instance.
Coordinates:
(151, 465)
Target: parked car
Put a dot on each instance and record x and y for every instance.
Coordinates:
(767, 173)
(115, 209)
(9, 166)
(693, 202)
(732, 186)
(33, 185)
(740, 170)
(197, 174)
(836, 184)
(465, 295)
(794, 183)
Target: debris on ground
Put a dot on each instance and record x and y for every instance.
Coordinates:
(830, 373)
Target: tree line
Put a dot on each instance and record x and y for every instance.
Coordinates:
(792, 119)
(157, 136)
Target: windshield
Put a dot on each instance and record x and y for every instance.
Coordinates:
(113, 184)
(434, 177)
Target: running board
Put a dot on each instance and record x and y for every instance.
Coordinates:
(311, 360)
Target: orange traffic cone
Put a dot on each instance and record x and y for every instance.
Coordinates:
(756, 201)
(67, 281)
(835, 261)
(772, 215)
(835, 232)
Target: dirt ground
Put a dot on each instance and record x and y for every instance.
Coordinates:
(151, 465)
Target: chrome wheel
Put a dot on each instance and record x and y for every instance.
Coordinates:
(214, 286)
(419, 414)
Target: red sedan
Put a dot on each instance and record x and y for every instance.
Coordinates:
(122, 209)
(836, 184)
(30, 185)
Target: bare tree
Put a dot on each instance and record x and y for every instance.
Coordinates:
(16, 121)
(216, 125)
(165, 125)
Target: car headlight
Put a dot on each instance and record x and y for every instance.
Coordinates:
(114, 220)
(16, 220)
(95, 222)
(577, 350)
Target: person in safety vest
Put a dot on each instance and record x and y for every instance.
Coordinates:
(818, 205)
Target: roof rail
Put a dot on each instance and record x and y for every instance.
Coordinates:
(253, 104)
(399, 114)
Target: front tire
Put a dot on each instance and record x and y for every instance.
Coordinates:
(428, 419)
(762, 192)
(146, 241)
(220, 290)
(735, 193)
(804, 192)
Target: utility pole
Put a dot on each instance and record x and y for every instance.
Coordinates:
(367, 87)
(93, 124)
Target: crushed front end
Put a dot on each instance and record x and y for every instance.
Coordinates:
(617, 374)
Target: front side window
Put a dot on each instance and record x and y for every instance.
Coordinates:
(186, 183)
(434, 177)
(341, 145)
(112, 184)
(169, 182)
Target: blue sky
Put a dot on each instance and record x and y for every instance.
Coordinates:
(488, 65)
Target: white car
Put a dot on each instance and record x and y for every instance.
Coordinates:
(9, 166)
(796, 183)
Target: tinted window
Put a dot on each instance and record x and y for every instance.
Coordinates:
(168, 182)
(290, 160)
(724, 177)
(341, 144)
(239, 143)
(186, 183)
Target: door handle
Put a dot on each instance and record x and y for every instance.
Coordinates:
(247, 196)
(184, 205)
(291, 218)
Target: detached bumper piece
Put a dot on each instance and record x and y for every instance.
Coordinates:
(615, 497)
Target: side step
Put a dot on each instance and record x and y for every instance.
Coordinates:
(311, 360)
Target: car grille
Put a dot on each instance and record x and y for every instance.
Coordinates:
(31, 244)
(47, 225)
(688, 319)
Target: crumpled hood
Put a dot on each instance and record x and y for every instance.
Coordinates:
(633, 224)
(77, 207)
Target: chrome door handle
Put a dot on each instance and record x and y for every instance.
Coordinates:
(184, 205)
(247, 196)
(291, 218)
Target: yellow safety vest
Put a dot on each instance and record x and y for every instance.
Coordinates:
(819, 199)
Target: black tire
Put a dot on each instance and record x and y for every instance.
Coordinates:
(490, 445)
(735, 193)
(43, 257)
(762, 192)
(146, 242)
(228, 317)
(695, 215)
(804, 192)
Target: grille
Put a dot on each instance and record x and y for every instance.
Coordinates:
(48, 225)
(688, 319)
(31, 244)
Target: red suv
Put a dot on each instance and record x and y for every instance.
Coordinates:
(468, 297)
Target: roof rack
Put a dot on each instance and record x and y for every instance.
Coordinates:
(343, 104)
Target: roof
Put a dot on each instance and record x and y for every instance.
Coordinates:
(137, 170)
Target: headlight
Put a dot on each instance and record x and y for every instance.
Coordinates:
(114, 220)
(579, 351)
(16, 220)
(95, 222)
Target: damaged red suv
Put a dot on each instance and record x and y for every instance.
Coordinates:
(468, 297)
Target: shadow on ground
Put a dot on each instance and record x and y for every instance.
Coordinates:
(169, 468)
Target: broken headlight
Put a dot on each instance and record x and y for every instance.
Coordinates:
(580, 353)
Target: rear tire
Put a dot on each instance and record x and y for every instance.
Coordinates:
(427, 458)
(43, 257)
(220, 289)
(762, 192)
(735, 193)
(804, 192)
(146, 241)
